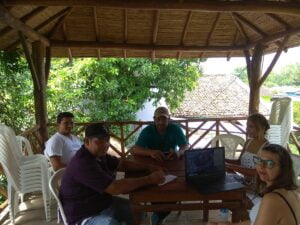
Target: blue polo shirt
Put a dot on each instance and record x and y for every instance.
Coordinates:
(150, 138)
(83, 184)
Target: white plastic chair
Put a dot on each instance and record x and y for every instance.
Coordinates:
(25, 174)
(24, 145)
(296, 166)
(230, 142)
(281, 121)
(54, 185)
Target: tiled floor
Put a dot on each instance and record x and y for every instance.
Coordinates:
(32, 213)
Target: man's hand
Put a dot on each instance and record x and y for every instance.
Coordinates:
(156, 177)
(157, 155)
(152, 168)
(170, 155)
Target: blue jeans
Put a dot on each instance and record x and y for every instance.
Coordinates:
(118, 212)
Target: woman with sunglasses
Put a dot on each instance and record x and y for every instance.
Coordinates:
(280, 203)
(257, 126)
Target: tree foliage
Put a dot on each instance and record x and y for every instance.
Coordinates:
(287, 76)
(16, 100)
(114, 89)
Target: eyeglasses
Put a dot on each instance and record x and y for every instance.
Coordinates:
(265, 163)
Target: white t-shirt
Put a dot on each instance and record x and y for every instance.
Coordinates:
(63, 146)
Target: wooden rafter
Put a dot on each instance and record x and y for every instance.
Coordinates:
(59, 22)
(61, 13)
(29, 60)
(97, 30)
(125, 30)
(290, 8)
(184, 32)
(249, 24)
(20, 26)
(248, 64)
(275, 59)
(143, 47)
(279, 20)
(64, 31)
(24, 19)
(214, 25)
(241, 29)
(233, 43)
(155, 30)
(274, 37)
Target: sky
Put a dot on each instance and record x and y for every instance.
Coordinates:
(222, 66)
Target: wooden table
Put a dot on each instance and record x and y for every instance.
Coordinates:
(184, 194)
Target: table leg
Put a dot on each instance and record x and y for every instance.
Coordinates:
(205, 211)
(136, 215)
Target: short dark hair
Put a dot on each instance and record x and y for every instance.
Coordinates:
(259, 120)
(286, 177)
(62, 115)
(99, 130)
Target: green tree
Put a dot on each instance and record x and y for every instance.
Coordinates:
(114, 89)
(16, 99)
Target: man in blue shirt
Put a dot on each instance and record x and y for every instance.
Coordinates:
(89, 183)
(159, 141)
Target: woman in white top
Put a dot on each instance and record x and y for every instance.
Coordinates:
(280, 204)
(257, 126)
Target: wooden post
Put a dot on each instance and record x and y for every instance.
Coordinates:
(39, 85)
(254, 71)
(254, 67)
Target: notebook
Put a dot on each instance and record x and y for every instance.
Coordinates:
(205, 170)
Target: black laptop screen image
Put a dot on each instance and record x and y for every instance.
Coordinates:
(205, 170)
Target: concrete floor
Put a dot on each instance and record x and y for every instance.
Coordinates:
(32, 213)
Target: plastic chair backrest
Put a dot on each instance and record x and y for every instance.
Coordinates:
(281, 121)
(296, 166)
(54, 185)
(9, 159)
(24, 145)
(230, 142)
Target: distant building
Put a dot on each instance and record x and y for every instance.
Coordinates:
(217, 96)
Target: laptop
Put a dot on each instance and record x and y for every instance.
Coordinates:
(205, 170)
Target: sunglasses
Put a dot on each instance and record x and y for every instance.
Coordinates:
(268, 163)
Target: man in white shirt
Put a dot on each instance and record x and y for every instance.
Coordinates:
(62, 146)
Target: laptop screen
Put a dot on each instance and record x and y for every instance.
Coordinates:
(204, 161)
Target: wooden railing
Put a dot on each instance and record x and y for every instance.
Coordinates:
(199, 133)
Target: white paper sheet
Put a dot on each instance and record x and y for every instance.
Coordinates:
(168, 179)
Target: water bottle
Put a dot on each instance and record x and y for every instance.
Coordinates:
(224, 214)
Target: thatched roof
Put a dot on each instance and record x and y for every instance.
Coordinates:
(155, 29)
(217, 96)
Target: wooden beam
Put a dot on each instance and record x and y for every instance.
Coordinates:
(61, 14)
(216, 20)
(279, 20)
(248, 65)
(29, 60)
(66, 38)
(186, 25)
(184, 32)
(155, 30)
(240, 27)
(19, 26)
(125, 31)
(249, 24)
(59, 22)
(275, 59)
(142, 47)
(24, 19)
(47, 63)
(289, 8)
(275, 37)
(97, 31)
(233, 43)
